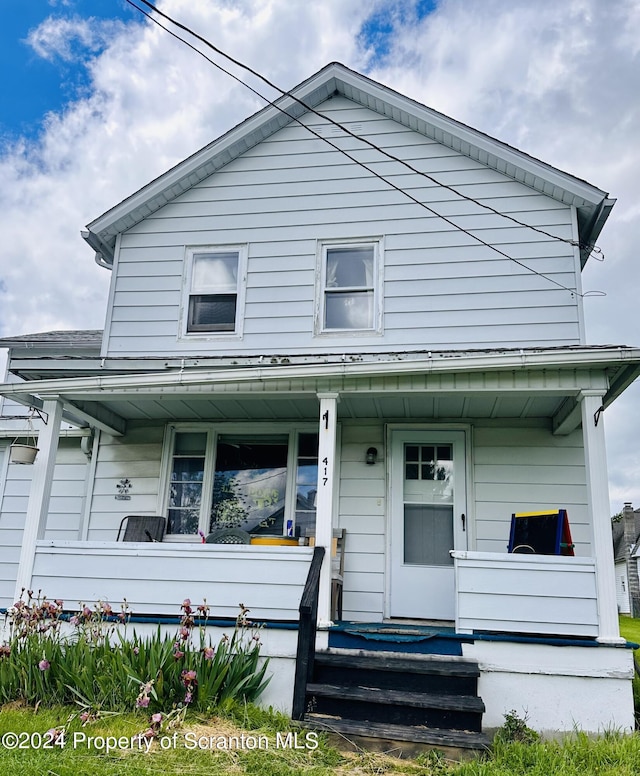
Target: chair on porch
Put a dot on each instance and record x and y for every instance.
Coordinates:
(228, 536)
(337, 567)
(142, 528)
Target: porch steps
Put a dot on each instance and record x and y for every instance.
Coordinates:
(421, 700)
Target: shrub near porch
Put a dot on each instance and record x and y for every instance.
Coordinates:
(102, 668)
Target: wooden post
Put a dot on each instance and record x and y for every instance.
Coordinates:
(599, 515)
(38, 505)
(324, 501)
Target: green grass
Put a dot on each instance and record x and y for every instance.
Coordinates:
(630, 628)
(577, 756)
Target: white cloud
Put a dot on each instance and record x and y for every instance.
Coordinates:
(556, 79)
(71, 38)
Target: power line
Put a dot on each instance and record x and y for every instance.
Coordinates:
(390, 156)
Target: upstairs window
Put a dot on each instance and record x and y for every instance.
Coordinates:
(216, 283)
(350, 288)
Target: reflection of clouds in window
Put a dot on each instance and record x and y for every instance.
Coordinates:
(217, 271)
(245, 498)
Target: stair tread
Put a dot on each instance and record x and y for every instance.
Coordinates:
(399, 697)
(422, 665)
(416, 734)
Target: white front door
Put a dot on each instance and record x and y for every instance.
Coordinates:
(428, 507)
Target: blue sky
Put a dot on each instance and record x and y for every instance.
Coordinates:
(33, 85)
(106, 102)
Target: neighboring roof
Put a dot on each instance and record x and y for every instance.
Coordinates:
(617, 529)
(593, 205)
(85, 338)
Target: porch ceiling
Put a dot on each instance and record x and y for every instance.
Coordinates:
(381, 406)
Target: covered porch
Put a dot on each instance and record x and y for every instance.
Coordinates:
(510, 409)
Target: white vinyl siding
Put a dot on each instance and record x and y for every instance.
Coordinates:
(442, 289)
(65, 512)
(136, 457)
(524, 468)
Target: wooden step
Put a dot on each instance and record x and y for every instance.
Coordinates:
(423, 664)
(399, 698)
(423, 674)
(435, 737)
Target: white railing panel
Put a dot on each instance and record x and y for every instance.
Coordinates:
(155, 578)
(535, 594)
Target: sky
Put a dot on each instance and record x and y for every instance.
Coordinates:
(96, 101)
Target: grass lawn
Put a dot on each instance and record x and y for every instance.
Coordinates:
(188, 750)
(630, 628)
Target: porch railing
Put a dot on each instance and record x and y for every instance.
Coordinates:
(527, 594)
(307, 634)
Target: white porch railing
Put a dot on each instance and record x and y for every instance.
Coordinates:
(155, 577)
(538, 594)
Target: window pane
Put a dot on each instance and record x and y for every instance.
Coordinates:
(250, 484)
(308, 445)
(215, 272)
(349, 310)
(350, 267)
(187, 469)
(185, 486)
(183, 521)
(185, 494)
(190, 443)
(213, 312)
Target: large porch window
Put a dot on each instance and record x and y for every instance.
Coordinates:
(263, 482)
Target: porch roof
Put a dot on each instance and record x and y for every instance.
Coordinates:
(452, 385)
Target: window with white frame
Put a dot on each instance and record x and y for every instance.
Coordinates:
(262, 481)
(215, 290)
(350, 287)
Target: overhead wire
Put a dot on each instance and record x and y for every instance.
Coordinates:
(346, 153)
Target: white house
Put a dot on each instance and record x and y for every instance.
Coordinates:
(297, 340)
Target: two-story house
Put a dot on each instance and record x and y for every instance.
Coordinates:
(348, 312)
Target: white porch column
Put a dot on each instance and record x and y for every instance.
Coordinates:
(38, 505)
(324, 501)
(599, 515)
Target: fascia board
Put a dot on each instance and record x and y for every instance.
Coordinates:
(598, 359)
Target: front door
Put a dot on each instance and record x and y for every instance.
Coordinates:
(428, 491)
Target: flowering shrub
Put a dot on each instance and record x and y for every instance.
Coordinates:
(100, 668)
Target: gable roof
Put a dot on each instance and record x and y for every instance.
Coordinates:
(593, 205)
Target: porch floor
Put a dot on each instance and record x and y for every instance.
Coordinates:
(412, 637)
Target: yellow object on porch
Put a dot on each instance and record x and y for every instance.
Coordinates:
(278, 541)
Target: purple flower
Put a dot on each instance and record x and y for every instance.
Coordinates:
(44, 664)
(142, 702)
(178, 654)
(156, 718)
(188, 697)
(208, 653)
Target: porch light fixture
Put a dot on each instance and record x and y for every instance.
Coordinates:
(372, 456)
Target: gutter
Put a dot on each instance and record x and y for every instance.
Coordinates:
(519, 361)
